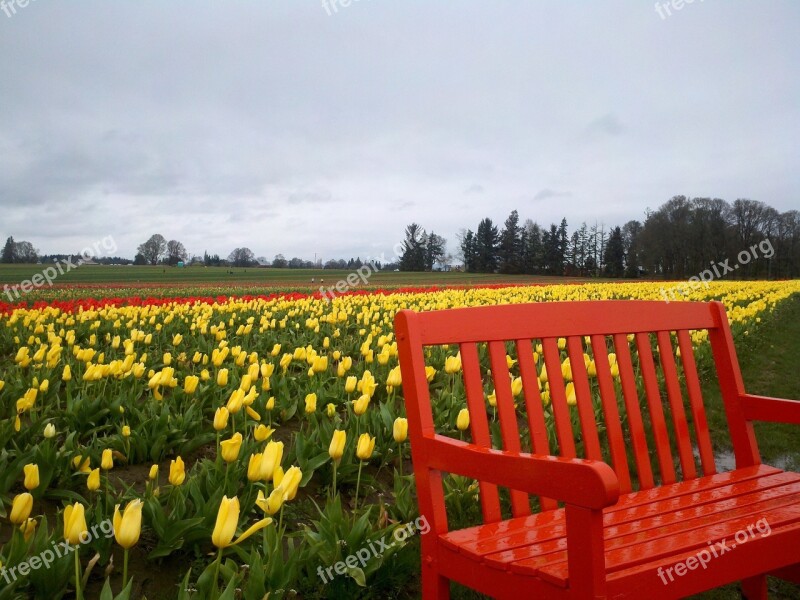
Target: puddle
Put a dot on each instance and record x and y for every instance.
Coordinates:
(725, 461)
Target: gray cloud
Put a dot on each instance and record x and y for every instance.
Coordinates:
(546, 193)
(280, 128)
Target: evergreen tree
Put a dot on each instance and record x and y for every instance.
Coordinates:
(486, 242)
(413, 258)
(9, 251)
(614, 257)
(510, 250)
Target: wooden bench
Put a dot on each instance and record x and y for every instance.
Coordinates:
(630, 504)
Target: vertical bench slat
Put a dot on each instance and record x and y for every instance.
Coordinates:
(479, 425)
(679, 421)
(696, 403)
(657, 421)
(629, 393)
(534, 406)
(583, 395)
(608, 396)
(558, 398)
(520, 503)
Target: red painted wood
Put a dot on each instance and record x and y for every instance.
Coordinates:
(679, 422)
(644, 471)
(534, 407)
(479, 425)
(653, 394)
(520, 503)
(696, 402)
(608, 396)
(602, 544)
(584, 399)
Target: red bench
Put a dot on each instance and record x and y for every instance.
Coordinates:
(654, 519)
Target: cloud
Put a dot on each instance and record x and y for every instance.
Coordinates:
(608, 125)
(475, 188)
(546, 193)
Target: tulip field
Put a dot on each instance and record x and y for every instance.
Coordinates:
(229, 446)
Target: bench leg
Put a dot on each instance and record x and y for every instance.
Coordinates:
(755, 588)
(434, 586)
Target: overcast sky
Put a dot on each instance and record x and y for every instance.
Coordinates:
(278, 126)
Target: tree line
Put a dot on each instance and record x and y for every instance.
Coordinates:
(680, 239)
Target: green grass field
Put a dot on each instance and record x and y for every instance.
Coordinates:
(101, 274)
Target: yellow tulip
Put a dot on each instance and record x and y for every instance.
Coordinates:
(311, 403)
(49, 431)
(230, 447)
(290, 482)
(228, 521)
(452, 364)
(66, 374)
(107, 461)
(153, 475)
(75, 524)
(254, 467)
(221, 418)
(262, 432)
(360, 405)
(271, 403)
(336, 449)
(271, 460)
(462, 421)
(82, 465)
(394, 379)
(271, 504)
(222, 377)
(126, 431)
(572, 399)
(236, 401)
(93, 481)
(128, 525)
(177, 471)
(28, 528)
(190, 384)
(400, 429)
(21, 508)
(350, 384)
(31, 476)
(366, 444)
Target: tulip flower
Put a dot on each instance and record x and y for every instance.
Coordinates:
(74, 530)
(400, 430)
(221, 418)
(228, 521)
(82, 465)
(394, 379)
(462, 421)
(190, 383)
(330, 410)
(107, 460)
(230, 447)
(153, 475)
(177, 472)
(93, 481)
(28, 528)
(452, 364)
(21, 508)
(336, 450)
(222, 377)
(290, 482)
(271, 504)
(572, 399)
(311, 403)
(236, 401)
(66, 374)
(364, 449)
(49, 431)
(271, 403)
(254, 467)
(127, 529)
(31, 476)
(262, 433)
(126, 431)
(271, 460)
(350, 384)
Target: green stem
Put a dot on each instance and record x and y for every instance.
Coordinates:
(358, 482)
(400, 457)
(225, 487)
(335, 464)
(78, 591)
(125, 569)
(216, 572)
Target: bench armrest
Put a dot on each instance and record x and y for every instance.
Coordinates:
(585, 483)
(763, 408)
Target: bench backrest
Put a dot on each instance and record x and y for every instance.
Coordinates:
(633, 373)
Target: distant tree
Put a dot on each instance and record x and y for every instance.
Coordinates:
(510, 249)
(296, 263)
(614, 257)
(279, 262)
(466, 249)
(413, 256)
(242, 257)
(176, 252)
(24, 252)
(9, 251)
(532, 248)
(631, 234)
(435, 248)
(486, 240)
(139, 259)
(153, 249)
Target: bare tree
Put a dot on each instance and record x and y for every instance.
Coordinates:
(242, 257)
(153, 249)
(176, 252)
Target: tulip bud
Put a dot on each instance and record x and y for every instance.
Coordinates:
(177, 471)
(128, 525)
(311, 403)
(222, 377)
(366, 444)
(93, 481)
(31, 476)
(49, 431)
(336, 449)
(107, 460)
(221, 418)
(153, 475)
(75, 523)
(400, 429)
(462, 422)
(230, 447)
(21, 508)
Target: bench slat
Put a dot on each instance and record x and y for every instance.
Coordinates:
(696, 402)
(558, 398)
(479, 425)
(583, 396)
